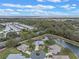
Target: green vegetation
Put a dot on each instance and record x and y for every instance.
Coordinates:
(45, 50)
(31, 47)
(4, 54)
(49, 42)
(44, 26)
(66, 51)
(11, 35)
(26, 55)
(11, 43)
(48, 25)
(7, 51)
(26, 34)
(1, 27)
(60, 28)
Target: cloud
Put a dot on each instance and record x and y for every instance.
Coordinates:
(40, 0)
(53, 0)
(30, 12)
(39, 6)
(69, 7)
(75, 11)
(74, 5)
(8, 12)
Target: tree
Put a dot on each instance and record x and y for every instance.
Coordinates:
(11, 35)
(11, 43)
(24, 34)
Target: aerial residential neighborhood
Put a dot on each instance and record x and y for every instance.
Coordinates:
(23, 41)
(13, 27)
(39, 29)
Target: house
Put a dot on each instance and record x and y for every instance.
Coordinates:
(61, 57)
(54, 49)
(39, 42)
(58, 57)
(23, 47)
(14, 27)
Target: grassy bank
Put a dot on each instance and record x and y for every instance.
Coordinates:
(68, 52)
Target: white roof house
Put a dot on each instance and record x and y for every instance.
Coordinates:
(23, 47)
(61, 57)
(38, 42)
(58, 57)
(14, 27)
(54, 49)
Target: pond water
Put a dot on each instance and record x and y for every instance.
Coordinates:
(16, 56)
(41, 55)
(73, 48)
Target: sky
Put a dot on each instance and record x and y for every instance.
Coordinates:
(39, 7)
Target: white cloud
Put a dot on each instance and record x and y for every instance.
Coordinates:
(74, 5)
(42, 12)
(39, 6)
(69, 7)
(53, 0)
(75, 11)
(66, 6)
(40, 0)
(8, 12)
(33, 12)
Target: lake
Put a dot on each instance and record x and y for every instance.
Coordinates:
(73, 48)
(16, 56)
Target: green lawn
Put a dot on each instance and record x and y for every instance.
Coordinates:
(46, 50)
(8, 51)
(26, 55)
(49, 42)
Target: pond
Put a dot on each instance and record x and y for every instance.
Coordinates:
(73, 48)
(34, 55)
(16, 56)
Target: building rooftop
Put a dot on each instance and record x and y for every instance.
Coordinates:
(54, 49)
